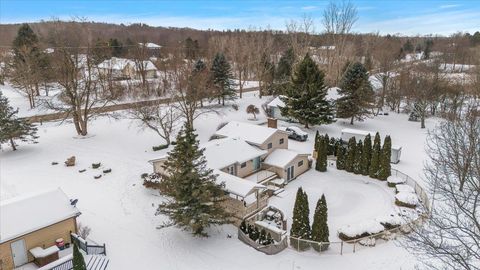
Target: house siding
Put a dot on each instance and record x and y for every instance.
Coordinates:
(44, 238)
(282, 172)
(275, 140)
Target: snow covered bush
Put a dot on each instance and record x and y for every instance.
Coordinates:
(359, 230)
(96, 165)
(391, 221)
(406, 199)
(404, 188)
(394, 180)
(160, 147)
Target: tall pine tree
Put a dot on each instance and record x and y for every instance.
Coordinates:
(350, 155)
(305, 98)
(357, 164)
(320, 232)
(385, 167)
(375, 161)
(340, 157)
(191, 186)
(78, 261)
(321, 161)
(366, 154)
(301, 223)
(13, 128)
(357, 94)
(222, 78)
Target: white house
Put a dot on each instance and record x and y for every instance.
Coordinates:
(121, 68)
(348, 133)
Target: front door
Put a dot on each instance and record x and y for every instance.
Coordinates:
(290, 173)
(19, 252)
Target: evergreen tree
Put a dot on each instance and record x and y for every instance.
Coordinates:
(340, 157)
(305, 98)
(385, 167)
(116, 47)
(192, 186)
(328, 145)
(13, 128)
(375, 161)
(285, 65)
(320, 232)
(78, 261)
(222, 78)
(300, 224)
(317, 137)
(350, 155)
(366, 154)
(321, 161)
(357, 164)
(357, 94)
(26, 67)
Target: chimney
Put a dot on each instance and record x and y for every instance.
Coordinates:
(272, 122)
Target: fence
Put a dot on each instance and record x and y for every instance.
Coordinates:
(351, 246)
(89, 249)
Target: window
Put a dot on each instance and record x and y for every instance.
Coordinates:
(270, 145)
(300, 163)
(243, 165)
(281, 141)
(231, 170)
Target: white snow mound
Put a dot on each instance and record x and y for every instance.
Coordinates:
(395, 180)
(407, 197)
(404, 188)
(355, 230)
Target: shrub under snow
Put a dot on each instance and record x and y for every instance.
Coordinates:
(406, 199)
(404, 188)
(359, 230)
(394, 180)
(391, 221)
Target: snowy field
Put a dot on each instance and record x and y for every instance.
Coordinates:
(120, 210)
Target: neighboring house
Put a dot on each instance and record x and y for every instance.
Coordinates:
(35, 222)
(252, 162)
(121, 68)
(153, 49)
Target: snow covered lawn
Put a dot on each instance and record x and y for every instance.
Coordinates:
(351, 199)
(121, 211)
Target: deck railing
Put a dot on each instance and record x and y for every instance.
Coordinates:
(87, 248)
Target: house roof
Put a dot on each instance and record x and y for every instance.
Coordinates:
(281, 157)
(237, 185)
(253, 134)
(276, 102)
(224, 152)
(25, 214)
(150, 45)
(116, 63)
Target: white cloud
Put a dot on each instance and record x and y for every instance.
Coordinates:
(309, 7)
(448, 6)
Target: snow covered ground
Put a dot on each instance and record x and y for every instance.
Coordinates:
(120, 210)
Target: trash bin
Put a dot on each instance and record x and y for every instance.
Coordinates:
(60, 243)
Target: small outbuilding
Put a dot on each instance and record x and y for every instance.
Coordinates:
(30, 225)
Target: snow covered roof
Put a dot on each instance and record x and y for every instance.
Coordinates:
(25, 214)
(224, 152)
(237, 185)
(357, 132)
(116, 63)
(276, 102)
(281, 157)
(253, 134)
(150, 45)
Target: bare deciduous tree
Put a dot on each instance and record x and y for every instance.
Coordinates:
(450, 239)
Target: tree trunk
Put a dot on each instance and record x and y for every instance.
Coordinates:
(351, 120)
(422, 122)
(12, 143)
(240, 83)
(37, 90)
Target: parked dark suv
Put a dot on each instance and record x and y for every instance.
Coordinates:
(297, 134)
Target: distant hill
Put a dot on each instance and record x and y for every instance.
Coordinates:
(165, 36)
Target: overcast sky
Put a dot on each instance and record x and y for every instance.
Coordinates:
(408, 17)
